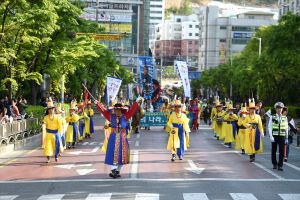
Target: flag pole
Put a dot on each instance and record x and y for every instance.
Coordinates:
(89, 92)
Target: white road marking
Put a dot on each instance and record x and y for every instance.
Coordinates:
(99, 196)
(137, 143)
(80, 152)
(70, 166)
(84, 171)
(51, 197)
(146, 196)
(290, 196)
(134, 166)
(85, 143)
(195, 196)
(242, 196)
(267, 170)
(138, 136)
(8, 197)
(292, 166)
(193, 168)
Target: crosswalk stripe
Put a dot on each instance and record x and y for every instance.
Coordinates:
(51, 197)
(99, 196)
(290, 196)
(243, 196)
(11, 197)
(146, 196)
(195, 196)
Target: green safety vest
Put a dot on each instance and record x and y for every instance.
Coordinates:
(279, 127)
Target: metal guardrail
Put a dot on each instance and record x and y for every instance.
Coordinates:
(18, 130)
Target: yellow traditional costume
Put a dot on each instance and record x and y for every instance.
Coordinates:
(53, 127)
(59, 112)
(253, 134)
(179, 124)
(218, 118)
(72, 130)
(240, 138)
(231, 126)
(88, 120)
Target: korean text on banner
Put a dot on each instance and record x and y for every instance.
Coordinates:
(184, 75)
(113, 86)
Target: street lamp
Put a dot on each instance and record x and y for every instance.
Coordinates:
(259, 50)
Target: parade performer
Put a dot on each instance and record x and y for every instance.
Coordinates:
(179, 124)
(224, 126)
(81, 122)
(72, 130)
(240, 139)
(117, 153)
(59, 112)
(194, 110)
(53, 127)
(88, 120)
(212, 117)
(170, 110)
(138, 115)
(218, 119)
(254, 132)
(231, 128)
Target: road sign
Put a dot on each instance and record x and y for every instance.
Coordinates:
(154, 119)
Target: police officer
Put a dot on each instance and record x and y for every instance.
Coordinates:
(278, 130)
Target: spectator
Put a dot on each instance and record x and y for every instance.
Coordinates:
(4, 118)
(15, 110)
(22, 105)
(7, 106)
(261, 112)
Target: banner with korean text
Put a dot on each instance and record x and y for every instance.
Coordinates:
(184, 76)
(113, 85)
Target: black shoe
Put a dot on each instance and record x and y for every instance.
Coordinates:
(69, 147)
(243, 151)
(89, 136)
(280, 169)
(215, 136)
(48, 159)
(252, 159)
(180, 158)
(218, 138)
(229, 145)
(274, 166)
(173, 157)
(118, 174)
(285, 160)
(56, 159)
(113, 174)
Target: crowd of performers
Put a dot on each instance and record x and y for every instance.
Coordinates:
(60, 132)
(244, 129)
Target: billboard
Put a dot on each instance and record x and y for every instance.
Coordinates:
(117, 28)
(147, 73)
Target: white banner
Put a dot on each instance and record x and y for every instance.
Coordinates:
(184, 75)
(130, 91)
(113, 85)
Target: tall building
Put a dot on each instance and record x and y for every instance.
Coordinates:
(292, 6)
(157, 8)
(225, 31)
(119, 17)
(177, 38)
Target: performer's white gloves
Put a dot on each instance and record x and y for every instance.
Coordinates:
(138, 99)
(272, 138)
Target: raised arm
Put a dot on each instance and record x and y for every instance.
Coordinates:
(131, 111)
(103, 110)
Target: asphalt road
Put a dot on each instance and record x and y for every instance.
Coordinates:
(209, 171)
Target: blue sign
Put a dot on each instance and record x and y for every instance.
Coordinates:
(147, 73)
(153, 119)
(194, 75)
(242, 35)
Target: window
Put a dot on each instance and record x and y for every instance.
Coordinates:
(191, 26)
(223, 40)
(197, 26)
(250, 17)
(190, 42)
(190, 34)
(156, 18)
(190, 50)
(196, 34)
(196, 42)
(156, 6)
(178, 20)
(223, 27)
(241, 28)
(159, 12)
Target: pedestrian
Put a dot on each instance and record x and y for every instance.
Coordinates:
(15, 110)
(194, 110)
(261, 112)
(206, 114)
(53, 126)
(88, 120)
(292, 132)
(179, 125)
(278, 131)
(117, 152)
(254, 132)
(4, 118)
(72, 130)
(136, 118)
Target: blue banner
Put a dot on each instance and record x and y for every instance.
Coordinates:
(147, 74)
(153, 119)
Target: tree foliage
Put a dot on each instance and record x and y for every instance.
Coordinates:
(39, 37)
(275, 75)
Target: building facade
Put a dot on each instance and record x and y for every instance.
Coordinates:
(177, 39)
(292, 6)
(223, 35)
